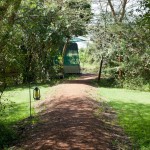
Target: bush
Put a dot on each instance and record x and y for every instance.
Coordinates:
(7, 135)
(136, 84)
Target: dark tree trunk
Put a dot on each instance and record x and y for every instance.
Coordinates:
(100, 69)
(63, 53)
(64, 50)
(120, 71)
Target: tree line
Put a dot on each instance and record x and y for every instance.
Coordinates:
(32, 31)
(121, 38)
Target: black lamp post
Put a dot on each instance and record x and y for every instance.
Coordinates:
(30, 100)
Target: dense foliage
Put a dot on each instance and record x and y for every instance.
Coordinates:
(124, 45)
(33, 31)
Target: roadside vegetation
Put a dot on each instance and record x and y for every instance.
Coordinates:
(123, 50)
(120, 43)
(15, 108)
(32, 33)
(133, 111)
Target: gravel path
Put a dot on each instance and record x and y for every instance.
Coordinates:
(69, 120)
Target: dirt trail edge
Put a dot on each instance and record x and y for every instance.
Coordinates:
(68, 121)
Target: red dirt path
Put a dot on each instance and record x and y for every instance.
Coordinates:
(68, 121)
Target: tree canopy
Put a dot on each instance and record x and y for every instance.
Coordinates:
(33, 31)
(121, 35)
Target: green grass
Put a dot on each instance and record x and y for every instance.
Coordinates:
(133, 109)
(124, 95)
(19, 97)
(16, 102)
(17, 106)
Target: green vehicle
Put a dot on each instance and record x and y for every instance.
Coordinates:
(71, 59)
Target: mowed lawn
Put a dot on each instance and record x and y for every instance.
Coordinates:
(17, 102)
(16, 107)
(133, 109)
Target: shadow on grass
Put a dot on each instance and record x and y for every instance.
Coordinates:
(7, 119)
(135, 119)
(108, 82)
(70, 79)
(6, 135)
(50, 83)
(12, 114)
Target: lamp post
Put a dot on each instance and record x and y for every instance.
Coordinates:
(30, 100)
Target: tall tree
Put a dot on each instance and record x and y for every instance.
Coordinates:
(119, 38)
(32, 32)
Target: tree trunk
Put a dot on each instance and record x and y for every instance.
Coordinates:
(112, 10)
(64, 52)
(120, 71)
(100, 69)
(123, 10)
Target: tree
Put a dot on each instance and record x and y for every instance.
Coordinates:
(33, 33)
(122, 42)
(7, 19)
(77, 14)
(145, 17)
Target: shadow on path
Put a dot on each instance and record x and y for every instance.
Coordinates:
(69, 122)
(87, 79)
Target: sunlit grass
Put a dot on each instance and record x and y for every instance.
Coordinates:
(124, 95)
(133, 109)
(16, 107)
(19, 100)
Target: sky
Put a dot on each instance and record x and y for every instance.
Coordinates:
(96, 9)
(97, 4)
(85, 43)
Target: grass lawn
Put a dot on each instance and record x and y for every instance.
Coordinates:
(17, 108)
(133, 109)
